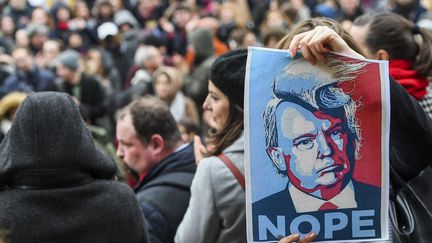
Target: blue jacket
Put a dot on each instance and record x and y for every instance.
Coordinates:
(35, 81)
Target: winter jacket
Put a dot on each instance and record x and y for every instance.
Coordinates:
(164, 194)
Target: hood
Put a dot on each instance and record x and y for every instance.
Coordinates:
(48, 137)
(202, 43)
(125, 17)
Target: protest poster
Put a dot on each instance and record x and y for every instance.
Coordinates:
(316, 147)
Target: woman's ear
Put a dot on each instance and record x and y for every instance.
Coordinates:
(382, 54)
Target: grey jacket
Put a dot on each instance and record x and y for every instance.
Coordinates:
(216, 211)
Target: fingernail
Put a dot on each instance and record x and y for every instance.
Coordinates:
(296, 235)
(312, 234)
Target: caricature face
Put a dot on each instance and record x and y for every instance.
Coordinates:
(314, 148)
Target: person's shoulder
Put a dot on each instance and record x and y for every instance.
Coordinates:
(187, 150)
(210, 169)
(364, 188)
(212, 164)
(180, 160)
(367, 196)
(278, 203)
(120, 189)
(167, 183)
(45, 73)
(120, 194)
(11, 78)
(209, 162)
(278, 196)
(89, 80)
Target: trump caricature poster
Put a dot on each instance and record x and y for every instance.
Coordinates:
(316, 147)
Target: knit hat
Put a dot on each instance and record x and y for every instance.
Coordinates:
(228, 74)
(69, 59)
(125, 17)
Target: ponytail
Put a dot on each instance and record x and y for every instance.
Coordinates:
(423, 61)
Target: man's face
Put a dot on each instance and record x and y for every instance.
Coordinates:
(22, 59)
(314, 148)
(130, 149)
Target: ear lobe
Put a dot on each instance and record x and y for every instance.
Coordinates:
(277, 156)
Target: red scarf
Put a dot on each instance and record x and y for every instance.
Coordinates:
(403, 73)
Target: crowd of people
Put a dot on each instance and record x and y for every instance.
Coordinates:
(158, 86)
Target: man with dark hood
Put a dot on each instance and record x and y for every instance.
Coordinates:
(56, 186)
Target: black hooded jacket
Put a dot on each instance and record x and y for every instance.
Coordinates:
(56, 185)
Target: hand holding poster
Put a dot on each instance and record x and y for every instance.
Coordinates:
(316, 147)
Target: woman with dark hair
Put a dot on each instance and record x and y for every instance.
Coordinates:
(389, 36)
(216, 211)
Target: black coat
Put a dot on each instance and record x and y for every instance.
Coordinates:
(92, 97)
(56, 185)
(165, 192)
(410, 133)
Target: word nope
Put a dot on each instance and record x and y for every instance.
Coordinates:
(362, 225)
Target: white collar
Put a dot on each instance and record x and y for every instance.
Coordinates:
(181, 147)
(304, 202)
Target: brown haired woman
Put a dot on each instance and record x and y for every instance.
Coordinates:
(216, 211)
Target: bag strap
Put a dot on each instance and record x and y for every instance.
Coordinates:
(236, 172)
